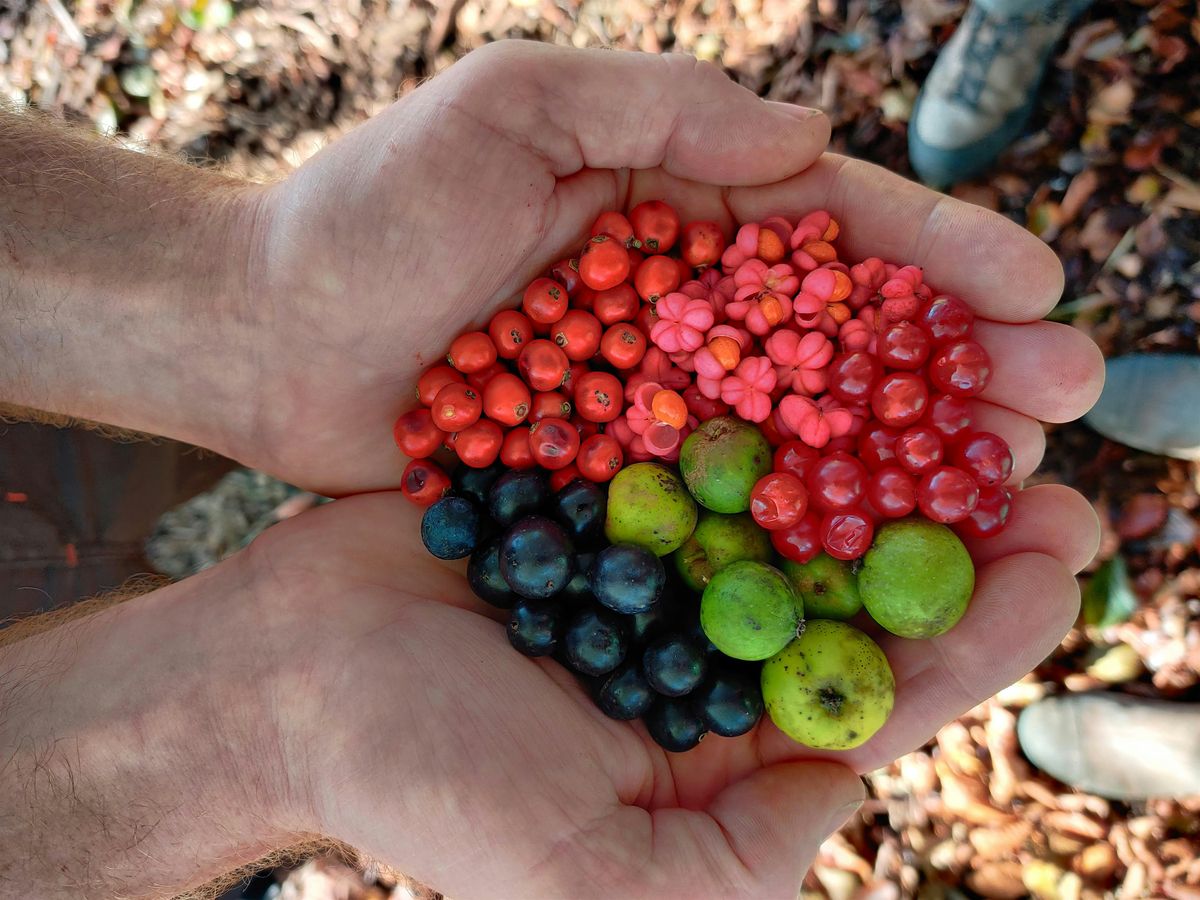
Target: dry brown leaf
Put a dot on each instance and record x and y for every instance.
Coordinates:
(1079, 191)
(966, 799)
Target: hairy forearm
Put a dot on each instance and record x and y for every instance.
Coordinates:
(137, 755)
(124, 290)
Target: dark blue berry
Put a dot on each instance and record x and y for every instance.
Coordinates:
(475, 484)
(695, 633)
(674, 666)
(645, 626)
(536, 559)
(625, 694)
(627, 578)
(674, 725)
(516, 494)
(577, 590)
(483, 574)
(595, 641)
(450, 528)
(534, 627)
(580, 508)
(730, 702)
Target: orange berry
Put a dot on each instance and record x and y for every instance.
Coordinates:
(669, 407)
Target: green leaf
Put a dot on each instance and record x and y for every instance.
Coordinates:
(1108, 598)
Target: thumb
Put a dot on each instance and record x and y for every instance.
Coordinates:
(604, 109)
(776, 819)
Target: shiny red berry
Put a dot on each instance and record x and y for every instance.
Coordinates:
(892, 492)
(604, 263)
(423, 482)
(919, 449)
(655, 224)
(947, 319)
(963, 369)
(985, 456)
(433, 380)
(515, 451)
(578, 334)
(837, 481)
(549, 405)
(616, 226)
(877, 446)
(543, 365)
(510, 330)
(852, 376)
(847, 534)
(951, 416)
(544, 301)
(560, 478)
(656, 277)
(778, 500)
(947, 495)
(553, 443)
(701, 244)
(990, 515)
(479, 444)
(506, 399)
(899, 399)
(618, 304)
(416, 434)
(456, 406)
(795, 457)
(566, 273)
(623, 346)
(600, 458)
(904, 345)
(599, 397)
(801, 542)
(471, 352)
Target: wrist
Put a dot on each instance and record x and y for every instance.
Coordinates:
(140, 747)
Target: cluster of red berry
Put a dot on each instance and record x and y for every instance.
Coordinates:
(860, 375)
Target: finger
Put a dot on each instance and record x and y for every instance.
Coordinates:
(759, 835)
(1023, 434)
(1046, 370)
(601, 109)
(1047, 518)
(1003, 271)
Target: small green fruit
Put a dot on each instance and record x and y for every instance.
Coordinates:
(828, 587)
(749, 610)
(831, 688)
(917, 578)
(718, 541)
(649, 506)
(721, 461)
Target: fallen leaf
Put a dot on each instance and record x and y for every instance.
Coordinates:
(1143, 515)
(1107, 597)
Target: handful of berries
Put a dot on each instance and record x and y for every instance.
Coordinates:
(856, 379)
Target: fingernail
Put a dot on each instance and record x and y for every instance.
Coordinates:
(839, 816)
(792, 111)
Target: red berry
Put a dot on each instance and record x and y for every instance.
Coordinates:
(515, 452)
(543, 365)
(835, 482)
(433, 380)
(423, 482)
(560, 478)
(656, 277)
(892, 492)
(919, 449)
(877, 446)
(510, 330)
(702, 244)
(947, 495)
(478, 445)
(604, 263)
(904, 345)
(846, 443)
(852, 375)
(416, 434)
(545, 301)
(599, 397)
(600, 458)
(779, 500)
(566, 273)
(553, 443)
(619, 304)
(794, 457)
(990, 515)
(655, 224)
(984, 456)
(623, 346)
(961, 369)
(635, 259)
(951, 416)
(576, 371)
(456, 406)
(549, 405)
(479, 380)
(506, 399)
(585, 298)
(578, 333)
(702, 407)
(947, 319)
(471, 352)
(847, 534)
(899, 399)
(801, 542)
(616, 226)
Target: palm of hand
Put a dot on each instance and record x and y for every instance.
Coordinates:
(424, 222)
